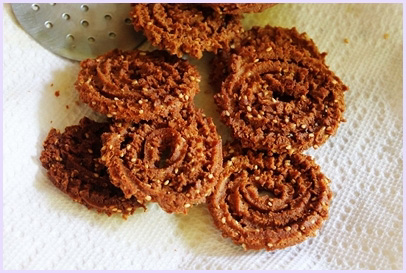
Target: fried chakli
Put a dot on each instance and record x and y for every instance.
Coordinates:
(269, 201)
(280, 100)
(185, 28)
(137, 85)
(256, 37)
(174, 162)
(72, 161)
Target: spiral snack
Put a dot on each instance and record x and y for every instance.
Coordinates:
(239, 8)
(280, 100)
(136, 85)
(269, 202)
(256, 38)
(72, 161)
(185, 28)
(174, 162)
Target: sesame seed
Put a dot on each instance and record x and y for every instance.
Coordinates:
(256, 167)
(227, 113)
(256, 60)
(273, 100)
(229, 163)
(176, 170)
(192, 78)
(111, 147)
(244, 246)
(141, 111)
(270, 204)
(93, 103)
(86, 135)
(311, 135)
(270, 245)
(288, 228)
(114, 209)
(249, 74)
(115, 98)
(249, 108)
(303, 126)
(187, 205)
(288, 147)
(268, 49)
(232, 46)
(122, 154)
(166, 182)
(302, 228)
(180, 95)
(103, 158)
(109, 115)
(257, 178)
(148, 198)
(129, 209)
(198, 80)
(140, 101)
(274, 121)
(223, 220)
(334, 81)
(210, 176)
(313, 221)
(186, 97)
(90, 151)
(96, 175)
(316, 146)
(133, 159)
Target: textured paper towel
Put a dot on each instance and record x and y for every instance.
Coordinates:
(43, 229)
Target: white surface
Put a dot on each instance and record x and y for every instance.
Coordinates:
(43, 229)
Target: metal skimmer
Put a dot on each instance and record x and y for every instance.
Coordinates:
(79, 31)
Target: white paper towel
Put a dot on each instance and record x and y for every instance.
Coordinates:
(44, 229)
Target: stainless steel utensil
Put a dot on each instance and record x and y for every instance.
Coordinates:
(79, 31)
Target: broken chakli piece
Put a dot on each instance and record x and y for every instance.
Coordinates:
(280, 99)
(73, 162)
(185, 28)
(137, 85)
(174, 162)
(269, 201)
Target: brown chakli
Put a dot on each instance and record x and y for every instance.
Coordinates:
(136, 85)
(269, 201)
(174, 162)
(72, 159)
(185, 28)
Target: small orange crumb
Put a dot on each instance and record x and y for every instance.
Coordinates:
(346, 40)
(386, 36)
(57, 93)
(67, 106)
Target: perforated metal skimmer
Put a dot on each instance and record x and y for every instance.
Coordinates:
(79, 31)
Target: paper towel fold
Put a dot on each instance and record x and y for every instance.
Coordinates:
(44, 229)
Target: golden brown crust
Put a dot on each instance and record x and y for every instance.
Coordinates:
(239, 8)
(137, 85)
(174, 162)
(185, 28)
(269, 202)
(72, 160)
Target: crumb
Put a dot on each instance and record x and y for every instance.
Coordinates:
(386, 36)
(57, 93)
(346, 40)
(51, 121)
(67, 106)
(77, 102)
(52, 84)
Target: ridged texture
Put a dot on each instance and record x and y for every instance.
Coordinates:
(137, 85)
(174, 162)
(185, 28)
(73, 163)
(269, 202)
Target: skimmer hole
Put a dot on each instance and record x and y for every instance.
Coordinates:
(91, 39)
(112, 35)
(35, 7)
(84, 23)
(107, 17)
(84, 8)
(48, 24)
(65, 16)
(127, 21)
(70, 37)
